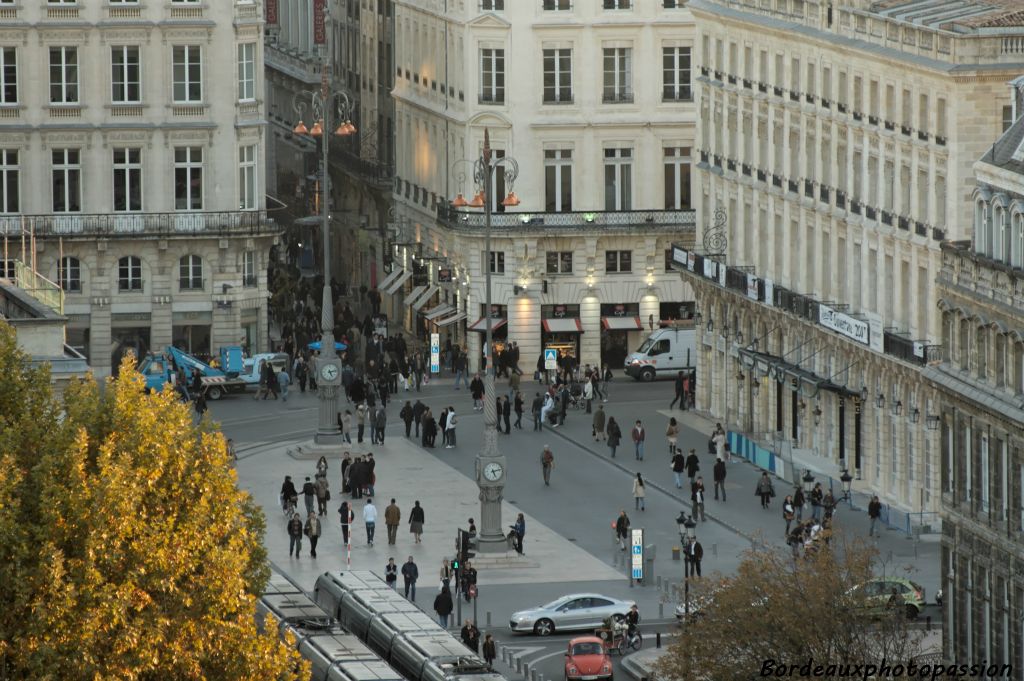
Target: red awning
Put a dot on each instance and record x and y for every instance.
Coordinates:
(568, 325)
(621, 323)
(480, 325)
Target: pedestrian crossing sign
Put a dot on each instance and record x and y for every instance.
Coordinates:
(550, 359)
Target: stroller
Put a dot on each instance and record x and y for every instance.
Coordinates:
(576, 400)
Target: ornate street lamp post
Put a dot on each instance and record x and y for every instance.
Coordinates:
(491, 465)
(324, 106)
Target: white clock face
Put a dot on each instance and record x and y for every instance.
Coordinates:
(329, 372)
(493, 471)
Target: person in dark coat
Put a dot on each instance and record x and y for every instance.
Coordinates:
(506, 413)
(295, 535)
(476, 388)
(692, 465)
(680, 394)
(406, 416)
(518, 408)
(417, 414)
(357, 477)
(719, 473)
(471, 636)
(614, 435)
(490, 651)
(443, 605)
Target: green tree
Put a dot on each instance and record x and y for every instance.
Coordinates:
(790, 612)
(127, 550)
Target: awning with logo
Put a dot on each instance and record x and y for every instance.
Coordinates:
(392, 288)
(621, 323)
(566, 325)
(427, 295)
(480, 325)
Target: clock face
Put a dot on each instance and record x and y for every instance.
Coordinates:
(493, 471)
(329, 372)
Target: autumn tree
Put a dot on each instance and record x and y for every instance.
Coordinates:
(127, 550)
(791, 612)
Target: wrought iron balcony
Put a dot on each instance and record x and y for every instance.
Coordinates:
(370, 170)
(571, 221)
(136, 225)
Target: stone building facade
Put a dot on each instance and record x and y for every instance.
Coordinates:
(981, 393)
(841, 162)
(131, 138)
(595, 105)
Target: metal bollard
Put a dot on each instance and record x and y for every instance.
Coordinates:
(519, 665)
(533, 675)
(928, 623)
(488, 619)
(661, 611)
(657, 640)
(657, 580)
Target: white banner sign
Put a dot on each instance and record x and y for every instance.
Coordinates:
(876, 334)
(751, 287)
(435, 353)
(769, 292)
(855, 329)
(637, 552)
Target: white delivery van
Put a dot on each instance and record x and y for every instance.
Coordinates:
(666, 352)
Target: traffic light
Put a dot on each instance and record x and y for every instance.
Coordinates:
(463, 547)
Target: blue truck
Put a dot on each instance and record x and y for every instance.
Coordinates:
(235, 373)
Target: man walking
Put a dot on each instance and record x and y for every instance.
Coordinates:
(370, 519)
(294, 535)
(392, 517)
(547, 462)
(312, 530)
(817, 496)
(410, 573)
(874, 513)
(380, 423)
(680, 395)
(308, 495)
(694, 555)
(697, 496)
(639, 435)
(692, 465)
(417, 414)
(678, 466)
(449, 428)
(506, 412)
(719, 472)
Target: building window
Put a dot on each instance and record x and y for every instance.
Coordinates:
(8, 75)
(10, 176)
(675, 69)
(558, 76)
(127, 180)
(492, 76)
(618, 262)
(618, 74)
(188, 178)
(618, 4)
(492, 5)
(557, 180)
(618, 179)
(129, 273)
(981, 353)
(63, 75)
(247, 187)
(188, 74)
(557, 5)
(677, 178)
(247, 72)
(249, 269)
(1007, 117)
(67, 181)
(559, 262)
(126, 75)
(190, 273)
(497, 261)
(69, 274)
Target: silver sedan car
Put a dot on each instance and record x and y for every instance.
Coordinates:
(576, 611)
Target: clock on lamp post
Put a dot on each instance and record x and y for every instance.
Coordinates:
(490, 479)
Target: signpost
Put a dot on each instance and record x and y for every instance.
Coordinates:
(435, 353)
(550, 359)
(637, 553)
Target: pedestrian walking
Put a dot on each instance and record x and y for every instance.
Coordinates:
(392, 517)
(622, 529)
(680, 394)
(588, 394)
(323, 493)
(312, 530)
(692, 465)
(294, 535)
(360, 422)
(547, 462)
(798, 502)
(517, 407)
(874, 513)
(678, 465)
(443, 605)
(476, 389)
(697, 497)
(370, 519)
(471, 636)
(308, 495)
(639, 492)
(346, 426)
(467, 578)
(416, 520)
(391, 573)
(381, 423)
(599, 420)
(520, 532)
(406, 416)
(719, 475)
(788, 511)
(506, 413)
(348, 517)
(535, 411)
(490, 651)
(417, 415)
(765, 490)
(546, 407)
(410, 573)
(614, 435)
(200, 404)
(694, 555)
(321, 466)
(672, 435)
(817, 496)
(283, 381)
(639, 435)
(450, 428)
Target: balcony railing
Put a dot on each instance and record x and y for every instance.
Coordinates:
(132, 225)
(625, 220)
(368, 169)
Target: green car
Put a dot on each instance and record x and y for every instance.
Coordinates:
(878, 593)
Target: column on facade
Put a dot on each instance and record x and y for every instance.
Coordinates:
(590, 318)
(161, 332)
(100, 338)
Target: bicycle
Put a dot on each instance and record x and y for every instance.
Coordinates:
(288, 506)
(628, 641)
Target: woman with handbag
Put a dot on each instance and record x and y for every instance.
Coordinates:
(765, 490)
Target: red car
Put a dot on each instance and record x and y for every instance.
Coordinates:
(587, 660)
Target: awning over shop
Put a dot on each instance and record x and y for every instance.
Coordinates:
(414, 294)
(621, 323)
(392, 288)
(452, 319)
(480, 325)
(569, 325)
(440, 311)
(427, 295)
(388, 280)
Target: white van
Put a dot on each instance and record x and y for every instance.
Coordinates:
(665, 352)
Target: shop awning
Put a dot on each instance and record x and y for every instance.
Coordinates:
(414, 294)
(427, 295)
(621, 323)
(388, 280)
(392, 288)
(452, 319)
(569, 325)
(440, 311)
(480, 325)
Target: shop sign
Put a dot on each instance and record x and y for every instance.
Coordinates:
(679, 256)
(559, 312)
(721, 274)
(444, 275)
(855, 329)
(319, 23)
(619, 311)
(271, 12)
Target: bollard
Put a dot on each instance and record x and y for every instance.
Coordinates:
(533, 675)
(519, 665)
(928, 623)
(661, 612)
(657, 580)
(675, 553)
(657, 640)
(488, 619)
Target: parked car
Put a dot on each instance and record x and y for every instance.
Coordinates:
(878, 593)
(587, 660)
(575, 611)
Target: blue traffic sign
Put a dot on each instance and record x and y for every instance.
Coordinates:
(637, 550)
(638, 573)
(551, 354)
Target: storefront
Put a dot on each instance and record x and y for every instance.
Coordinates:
(561, 329)
(620, 332)
(129, 332)
(671, 312)
(76, 333)
(499, 326)
(191, 332)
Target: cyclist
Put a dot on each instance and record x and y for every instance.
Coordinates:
(289, 496)
(632, 622)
